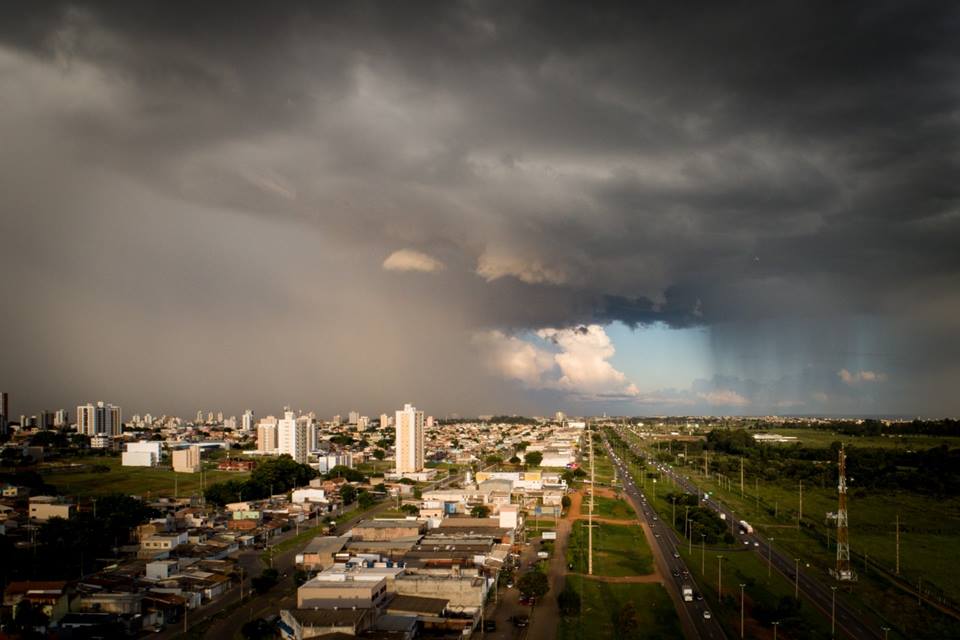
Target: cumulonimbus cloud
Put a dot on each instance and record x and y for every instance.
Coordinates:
(410, 260)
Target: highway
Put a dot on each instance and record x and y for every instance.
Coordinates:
(812, 591)
(695, 615)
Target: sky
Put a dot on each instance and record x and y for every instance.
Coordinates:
(481, 207)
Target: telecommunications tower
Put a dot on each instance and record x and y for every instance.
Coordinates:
(843, 572)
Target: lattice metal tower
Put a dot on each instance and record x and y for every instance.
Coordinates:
(843, 571)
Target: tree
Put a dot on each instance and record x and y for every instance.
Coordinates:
(348, 493)
(410, 509)
(569, 601)
(365, 500)
(514, 460)
(480, 511)
(341, 471)
(625, 619)
(257, 629)
(417, 493)
(379, 454)
(493, 460)
(263, 582)
(533, 458)
(565, 502)
(522, 446)
(533, 583)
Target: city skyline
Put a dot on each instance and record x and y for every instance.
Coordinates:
(492, 209)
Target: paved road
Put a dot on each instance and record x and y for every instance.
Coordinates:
(849, 622)
(676, 575)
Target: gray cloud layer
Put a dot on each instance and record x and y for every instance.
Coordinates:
(208, 192)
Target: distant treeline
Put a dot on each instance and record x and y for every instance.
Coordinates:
(512, 420)
(944, 427)
(935, 470)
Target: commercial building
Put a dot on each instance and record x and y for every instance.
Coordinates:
(409, 440)
(141, 454)
(42, 508)
(247, 424)
(187, 460)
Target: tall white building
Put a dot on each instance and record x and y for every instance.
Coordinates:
(409, 443)
(292, 437)
(384, 421)
(100, 420)
(248, 420)
(353, 417)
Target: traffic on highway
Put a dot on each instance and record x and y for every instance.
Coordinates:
(696, 615)
(809, 589)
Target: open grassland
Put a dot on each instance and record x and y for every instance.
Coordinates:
(930, 531)
(141, 481)
(821, 438)
(601, 615)
(618, 550)
(608, 508)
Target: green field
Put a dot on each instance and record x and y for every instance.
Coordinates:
(930, 529)
(148, 482)
(601, 612)
(618, 550)
(608, 508)
(821, 438)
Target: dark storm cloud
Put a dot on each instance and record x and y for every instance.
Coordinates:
(568, 163)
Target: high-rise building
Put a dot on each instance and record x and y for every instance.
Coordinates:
(362, 423)
(353, 417)
(4, 411)
(60, 418)
(337, 420)
(292, 437)
(409, 439)
(199, 419)
(248, 420)
(100, 420)
(384, 421)
(267, 434)
(187, 460)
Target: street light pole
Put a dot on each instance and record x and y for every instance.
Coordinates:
(796, 580)
(703, 554)
(833, 611)
(742, 585)
(775, 624)
(769, 556)
(719, 577)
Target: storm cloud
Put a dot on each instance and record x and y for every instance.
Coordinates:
(341, 204)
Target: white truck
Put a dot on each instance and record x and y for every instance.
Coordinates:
(745, 527)
(687, 591)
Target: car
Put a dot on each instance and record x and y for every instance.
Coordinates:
(676, 554)
(509, 584)
(698, 596)
(756, 544)
(489, 625)
(746, 542)
(570, 566)
(706, 614)
(654, 518)
(520, 621)
(676, 573)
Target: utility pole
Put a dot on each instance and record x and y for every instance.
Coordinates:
(703, 554)
(769, 555)
(833, 611)
(720, 578)
(741, 479)
(742, 585)
(796, 579)
(898, 544)
(590, 515)
(800, 511)
(775, 624)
